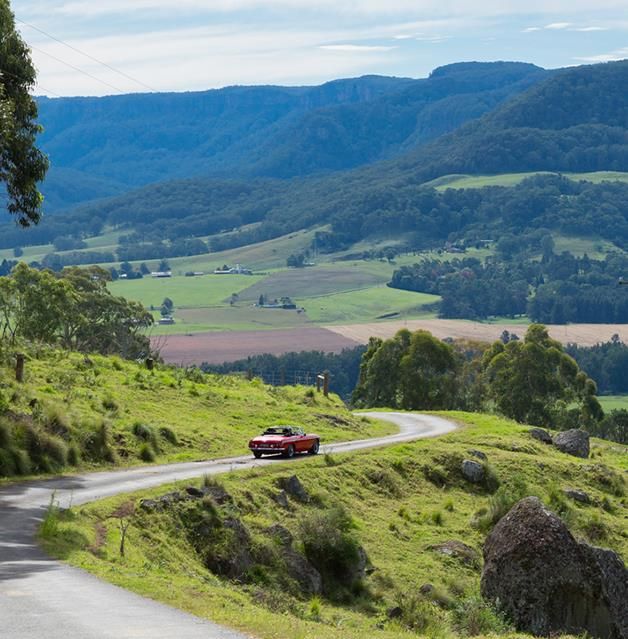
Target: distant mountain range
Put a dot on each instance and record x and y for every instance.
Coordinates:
(284, 159)
(100, 147)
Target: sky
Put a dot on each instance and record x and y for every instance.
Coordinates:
(104, 47)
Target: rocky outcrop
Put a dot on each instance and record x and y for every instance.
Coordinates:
(547, 582)
(573, 442)
(473, 471)
(541, 435)
(293, 486)
(578, 495)
(457, 550)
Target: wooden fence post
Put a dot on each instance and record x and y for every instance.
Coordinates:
(150, 363)
(326, 384)
(19, 367)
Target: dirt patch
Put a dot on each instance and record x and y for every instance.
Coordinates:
(216, 348)
(583, 334)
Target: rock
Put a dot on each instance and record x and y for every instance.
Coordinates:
(302, 571)
(547, 583)
(458, 550)
(578, 495)
(478, 454)
(427, 589)
(281, 533)
(573, 442)
(150, 505)
(473, 471)
(294, 488)
(233, 559)
(541, 435)
(217, 493)
(192, 491)
(396, 612)
(282, 499)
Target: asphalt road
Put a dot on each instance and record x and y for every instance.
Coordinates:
(41, 598)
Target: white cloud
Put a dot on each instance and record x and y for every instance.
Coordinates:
(589, 29)
(612, 56)
(531, 29)
(355, 48)
(557, 26)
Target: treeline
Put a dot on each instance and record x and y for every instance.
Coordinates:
(72, 309)
(532, 381)
(606, 363)
(302, 367)
(556, 289)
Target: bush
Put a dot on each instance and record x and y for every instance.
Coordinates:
(330, 546)
(55, 420)
(5, 435)
(437, 518)
(146, 434)
(7, 464)
(22, 461)
(500, 503)
(47, 452)
(169, 435)
(97, 444)
(473, 617)
(74, 455)
(491, 481)
(419, 615)
(110, 404)
(147, 453)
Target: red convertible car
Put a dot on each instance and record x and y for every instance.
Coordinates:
(284, 440)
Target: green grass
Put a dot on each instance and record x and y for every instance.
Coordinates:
(398, 514)
(596, 249)
(512, 179)
(613, 402)
(211, 416)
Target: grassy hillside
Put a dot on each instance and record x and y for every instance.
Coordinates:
(399, 503)
(78, 412)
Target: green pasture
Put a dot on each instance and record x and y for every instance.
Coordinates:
(613, 402)
(512, 179)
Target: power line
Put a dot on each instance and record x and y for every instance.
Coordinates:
(17, 77)
(79, 70)
(87, 55)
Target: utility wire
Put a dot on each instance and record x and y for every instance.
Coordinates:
(87, 55)
(71, 66)
(17, 77)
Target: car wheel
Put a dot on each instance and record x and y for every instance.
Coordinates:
(289, 452)
(315, 448)
(257, 454)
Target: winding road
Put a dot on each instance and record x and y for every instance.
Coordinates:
(41, 598)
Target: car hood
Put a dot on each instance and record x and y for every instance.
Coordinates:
(270, 439)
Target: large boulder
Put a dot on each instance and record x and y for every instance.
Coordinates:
(457, 550)
(547, 582)
(541, 435)
(473, 471)
(573, 442)
(293, 486)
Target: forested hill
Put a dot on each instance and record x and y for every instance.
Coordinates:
(575, 120)
(101, 147)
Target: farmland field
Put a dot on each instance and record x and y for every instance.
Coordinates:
(614, 402)
(512, 179)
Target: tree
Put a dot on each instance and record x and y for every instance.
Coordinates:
(164, 266)
(22, 165)
(534, 381)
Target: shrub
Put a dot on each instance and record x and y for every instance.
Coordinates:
(7, 463)
(315, 609)
(473, 617)
(595, 529)
(147, 453)
(330, 460)
(500, 503)
(146, 434)
(558, 502)
(385, 480)
(169, 435)
(418, 614)
(74, 455)
(22, 461)
(97, 444)
(330, 546)
(5, 435)
(449, 506)
(491, 481)
(47, 452)
(437, 518)
(55, 420)
(110, 404)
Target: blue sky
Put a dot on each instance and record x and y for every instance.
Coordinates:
(182, 45)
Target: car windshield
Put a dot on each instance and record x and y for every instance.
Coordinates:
(278, 430)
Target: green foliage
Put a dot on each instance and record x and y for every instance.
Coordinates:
(533, 381)
(506, 496)
(22, 165)
(331, 547)
(147, 453)
(473, 617)
(411, 371)
(167, 434)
